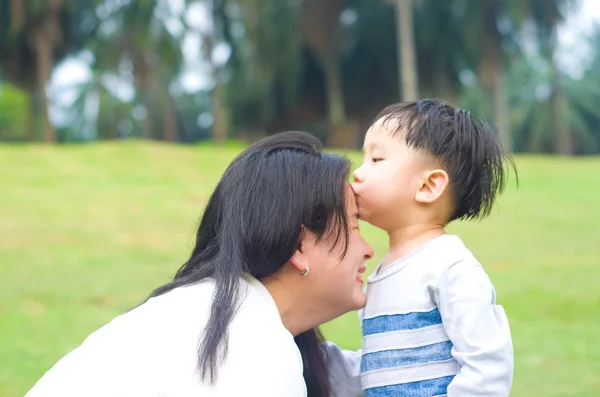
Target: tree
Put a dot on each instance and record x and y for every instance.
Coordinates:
(212, 35)
(534, 102)
(322, 33)
(489, 35)
(264, 70)
(406, 50)
(156, 57)
(441, 52)
(34, 35)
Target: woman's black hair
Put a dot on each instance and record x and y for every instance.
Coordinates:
(272, 193)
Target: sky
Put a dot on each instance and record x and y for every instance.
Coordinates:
(572, 56)
(574, 52)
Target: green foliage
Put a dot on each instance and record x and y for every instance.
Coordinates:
(532, 122)
(273, 80)
(264, 71)
(14, 113)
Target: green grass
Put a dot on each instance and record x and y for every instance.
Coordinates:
(87, 231)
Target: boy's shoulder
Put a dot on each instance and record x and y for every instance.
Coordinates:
(428, 262)
(411, 284)
(444, 252)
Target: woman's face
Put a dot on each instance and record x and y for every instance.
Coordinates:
(337, 282)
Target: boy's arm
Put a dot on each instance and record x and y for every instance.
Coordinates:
(344, 371)
(344, 368)
(478, 330)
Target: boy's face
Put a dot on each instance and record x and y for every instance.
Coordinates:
(386, 183)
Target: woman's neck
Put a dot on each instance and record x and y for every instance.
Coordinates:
(297, 313)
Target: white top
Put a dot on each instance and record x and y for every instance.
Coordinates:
(151, 351)
(431, 327)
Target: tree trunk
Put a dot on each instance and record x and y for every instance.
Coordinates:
(500, 109)
(335, 95)
(33, 126)
(170, 124)
(491, 75)
(407, 64)
(563, 140)
(343, 134)
(220, 128)
(43, 38)
(143, 78)
(148, 121)
(16, 15)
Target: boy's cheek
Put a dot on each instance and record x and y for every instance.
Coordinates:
(363, 207)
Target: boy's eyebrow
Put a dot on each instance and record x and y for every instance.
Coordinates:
(371, 145)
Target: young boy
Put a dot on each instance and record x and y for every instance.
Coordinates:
(431, 326)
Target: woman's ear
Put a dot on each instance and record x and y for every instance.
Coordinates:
(433, 186)
(299, 259)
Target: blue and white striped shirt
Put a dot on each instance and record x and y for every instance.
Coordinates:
(431, 327)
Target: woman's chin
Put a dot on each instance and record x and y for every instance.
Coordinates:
(360, 300)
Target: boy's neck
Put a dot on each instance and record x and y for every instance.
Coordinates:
(407, 239)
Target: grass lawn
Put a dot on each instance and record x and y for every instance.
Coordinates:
(86, 231)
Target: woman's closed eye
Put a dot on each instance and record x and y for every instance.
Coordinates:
(376, 159)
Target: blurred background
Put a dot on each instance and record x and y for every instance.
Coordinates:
(193, 70)
(117, 118)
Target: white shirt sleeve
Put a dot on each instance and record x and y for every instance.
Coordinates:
(344, 367)
(478, 330)
(344, 371)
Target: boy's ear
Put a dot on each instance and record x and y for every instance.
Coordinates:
(434, 184)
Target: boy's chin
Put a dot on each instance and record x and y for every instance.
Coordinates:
(373, 220)
(364, 214)
(362, 210)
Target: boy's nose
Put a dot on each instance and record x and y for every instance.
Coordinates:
(358, 175)
(369, 251)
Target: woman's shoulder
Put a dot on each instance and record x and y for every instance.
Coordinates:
(187, 309)
(260, 349)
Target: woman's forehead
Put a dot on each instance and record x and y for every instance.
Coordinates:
(351, 206)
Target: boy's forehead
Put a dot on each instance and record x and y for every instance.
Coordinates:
(378, 125)
(381, 129)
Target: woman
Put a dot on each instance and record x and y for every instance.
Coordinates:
(278, 252)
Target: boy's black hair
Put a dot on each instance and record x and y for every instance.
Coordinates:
(467, 147)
